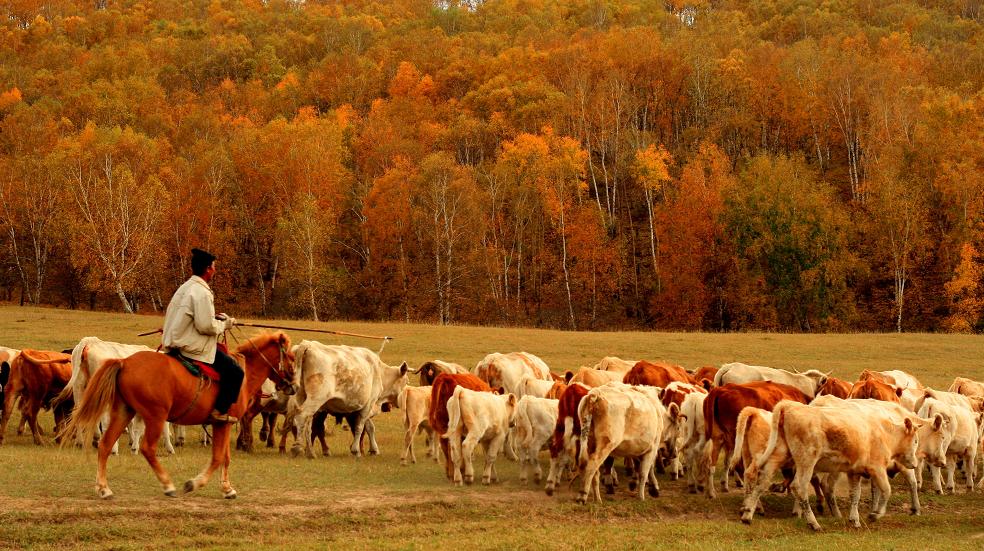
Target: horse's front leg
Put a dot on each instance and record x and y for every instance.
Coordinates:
(228, 491)
(220, 451)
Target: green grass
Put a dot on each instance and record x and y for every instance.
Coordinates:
(47, 498)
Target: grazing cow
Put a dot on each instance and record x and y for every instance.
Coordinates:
(430, 370)
(706, 372)
(895, 377)
(832, 386)
(621, 420)
(507, 370)
(967, 387)
(739, 373)
(37, 377)
(346, 381)
(876, 390)
(692, 441)
(676, 393)
(88, 357)
(612, 363)
(477, 417)
(838, 439)
(721, 409)
(966, 426)
(415, 401)
(593, 377)
(531, 427)
(538, 388)
(658, 374)
(567, 434)
(441, 392)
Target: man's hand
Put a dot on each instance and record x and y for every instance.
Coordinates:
(221, 316)
(229, 322)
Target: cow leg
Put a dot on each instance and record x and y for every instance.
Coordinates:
(725, 477)
(920, 467)
(492, 450)
(271, 419)
(880, 480)
(969, 465)
(590, 471)
(303, 419)
(607, 475)
(119, 418)
(370, 429)
(818, 490)
(168, 445)
(467, 451)
(180, 433)
(711, 453)
(220, 447)
(853, 516)
(951, 471)
(411, 431)
(432, 443)
(264, 425)
(910, 476)
(557, 465)
(800, 488)
(358, 426)
(757, 480)
(937, 479)
(148, 447)
(646, 465)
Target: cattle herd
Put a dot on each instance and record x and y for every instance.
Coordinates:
(808, 430)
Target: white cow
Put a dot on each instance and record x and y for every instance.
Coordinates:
(613, 363)
(966, 427)
(88, 357)
(531, 427)
(737, 373)
(967, 387)
(347, 381)
(531, 386)
(473, 418)
(858, 441)
(415, 401)
(507, 370)
(692, 439)
(624, 421)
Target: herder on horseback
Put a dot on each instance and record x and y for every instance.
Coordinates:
(161, 388)
(191, 329)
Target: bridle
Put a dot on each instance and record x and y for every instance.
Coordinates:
(278, 376)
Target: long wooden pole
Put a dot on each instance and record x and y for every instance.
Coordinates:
(262, 326)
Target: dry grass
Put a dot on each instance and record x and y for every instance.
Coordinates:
(46, 497)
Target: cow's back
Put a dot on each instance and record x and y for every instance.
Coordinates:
(656, 374)
(876, 390)
(723, 404)
(441, 392)
(567, 409)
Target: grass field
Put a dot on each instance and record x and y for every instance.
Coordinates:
(47, 498)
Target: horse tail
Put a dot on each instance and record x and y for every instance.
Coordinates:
(78, 356)
(99, 395)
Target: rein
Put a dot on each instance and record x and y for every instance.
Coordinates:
(203, 382)
(279, 378)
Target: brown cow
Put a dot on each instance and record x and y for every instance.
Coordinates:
(876, 389)
(675, 392)
(556, 391)
(721, 409)
(833, 386)
(707, 372)
(895, 377)
(592, 377)
(656, 374)
(563, 445)
(37, 377)
(441, 392)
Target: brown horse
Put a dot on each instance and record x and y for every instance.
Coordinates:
(160, 389)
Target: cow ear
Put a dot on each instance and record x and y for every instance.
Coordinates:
(822, 381)
(661, 393)
(938, 422)
(500, 390)
(4, 373)
(909, 426)
(568, 375)
(707, 383)
(403, 369)
(511, 400)
(898, 391)
(674, 411)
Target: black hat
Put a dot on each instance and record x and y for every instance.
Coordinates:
(200, 261)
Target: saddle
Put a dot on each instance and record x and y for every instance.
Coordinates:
(198, 368)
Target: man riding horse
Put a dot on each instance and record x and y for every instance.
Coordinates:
(191, 329)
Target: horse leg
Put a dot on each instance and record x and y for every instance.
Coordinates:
(220, 448)
(228, 491)
(148, 447)
(119, 418)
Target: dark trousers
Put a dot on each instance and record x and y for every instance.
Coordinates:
(231, 379)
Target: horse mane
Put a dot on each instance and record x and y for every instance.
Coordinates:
(258, 342)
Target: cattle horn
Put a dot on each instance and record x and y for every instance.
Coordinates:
(797, 371)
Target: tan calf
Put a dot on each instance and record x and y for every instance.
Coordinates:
(477, 418)
(531, 427)
(415, 401)
(593, 377)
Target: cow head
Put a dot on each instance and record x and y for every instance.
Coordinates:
(934, 438)
(672, 432)
(510, 400)
(394, 381)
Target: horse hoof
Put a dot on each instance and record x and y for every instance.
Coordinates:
(106, 493)
(230, 495)
(189, 486)
(171, 493)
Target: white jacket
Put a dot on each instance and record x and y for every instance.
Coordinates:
(190, 324)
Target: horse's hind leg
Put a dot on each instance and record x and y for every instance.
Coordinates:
(148, 447)
(220, 449)
(119, 418)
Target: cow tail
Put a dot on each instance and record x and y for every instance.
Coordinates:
(99, 395)
(588, 442)
(401, 402)
(454, 411)
(301, 394)
(740, 427)
(719, 376)
(778, 418)
(709, 408)
(955, 387)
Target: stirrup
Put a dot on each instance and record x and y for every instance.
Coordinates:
(216, 417)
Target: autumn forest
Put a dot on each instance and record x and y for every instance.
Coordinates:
(788, 165)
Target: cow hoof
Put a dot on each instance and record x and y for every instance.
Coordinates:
(294, 452)
(816, 527)
(373, 452)
(403, 463)
(914, 512)
(486, 481)
(550, 491)
(231, 494)
(653, 492)
(855, 523)
(610, 489)
(105, 493)
(745, 519)
(537, 479)
(469, 480)
(632, 486)
(581, 499)
(189, 486)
